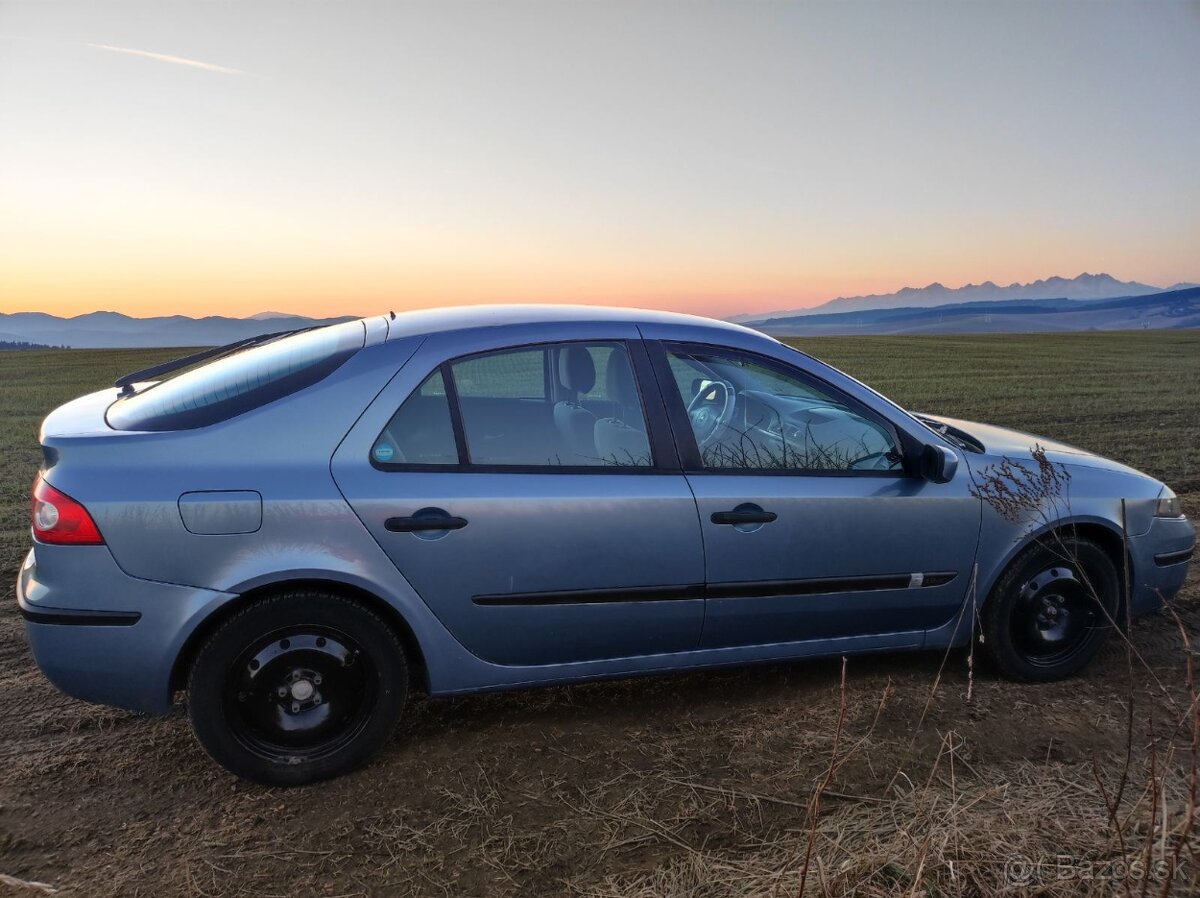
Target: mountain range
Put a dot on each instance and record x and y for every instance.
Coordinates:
(112, 329)
(1085, 286)
(1164, 309)
(1087, 302)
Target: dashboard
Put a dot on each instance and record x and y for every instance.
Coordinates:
(774, 431)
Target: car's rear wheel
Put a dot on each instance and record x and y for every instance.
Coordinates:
(297, 687)
(1052, 609)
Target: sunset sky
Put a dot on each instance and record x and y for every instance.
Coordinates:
(344, 158)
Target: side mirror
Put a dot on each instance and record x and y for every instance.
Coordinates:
(938, 464)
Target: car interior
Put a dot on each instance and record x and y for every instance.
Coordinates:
(571, 404)
(577, 405)
(746, 415)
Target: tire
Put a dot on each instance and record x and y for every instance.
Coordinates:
(1052, 610)
(298, 687)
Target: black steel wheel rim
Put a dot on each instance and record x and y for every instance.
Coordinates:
(1055, 617)
(300, 693)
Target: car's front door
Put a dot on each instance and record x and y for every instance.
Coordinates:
(812, 529)
(531, 496)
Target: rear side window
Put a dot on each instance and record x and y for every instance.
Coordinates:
(239, 382)
(554, 406)
(421, 432)
(519, 374)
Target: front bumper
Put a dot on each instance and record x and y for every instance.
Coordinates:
(103, 636)
(1161, 557)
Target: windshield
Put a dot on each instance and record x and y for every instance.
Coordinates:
(236, 383)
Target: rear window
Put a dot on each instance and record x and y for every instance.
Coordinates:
(239, 382)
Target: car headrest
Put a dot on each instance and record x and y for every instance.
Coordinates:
(618, 378)
(576, 370)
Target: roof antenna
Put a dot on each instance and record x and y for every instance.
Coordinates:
(393, 314)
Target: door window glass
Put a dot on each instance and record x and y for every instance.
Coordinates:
(420, 433)
(748, 415)
(568, 404)
(520, 374)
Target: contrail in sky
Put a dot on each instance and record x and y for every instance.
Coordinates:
(163, 57)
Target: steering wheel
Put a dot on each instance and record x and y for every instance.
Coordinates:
(711, 410)
(860, 464)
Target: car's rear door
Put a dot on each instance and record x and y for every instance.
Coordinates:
(812, 527)
(473, 470)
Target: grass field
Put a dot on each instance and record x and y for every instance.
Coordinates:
(698, 784)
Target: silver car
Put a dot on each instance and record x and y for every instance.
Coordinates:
(299, 530)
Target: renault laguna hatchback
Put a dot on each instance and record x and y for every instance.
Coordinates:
(298, 530)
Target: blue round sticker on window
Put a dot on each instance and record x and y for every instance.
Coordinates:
(384, 452)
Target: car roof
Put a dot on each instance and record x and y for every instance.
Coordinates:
(442, 320)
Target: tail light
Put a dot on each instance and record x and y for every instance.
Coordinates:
(60, 520)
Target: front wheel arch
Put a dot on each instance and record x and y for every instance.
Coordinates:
(1105, 534)
(1065, 636)
(187, 655)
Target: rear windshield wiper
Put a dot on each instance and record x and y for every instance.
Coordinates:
(126, 382)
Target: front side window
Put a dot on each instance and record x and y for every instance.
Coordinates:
(565, 405)
(748, 414)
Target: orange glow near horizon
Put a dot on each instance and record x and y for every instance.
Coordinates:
(189, 257)
(197, 293)
(155, 277)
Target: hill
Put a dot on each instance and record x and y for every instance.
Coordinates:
(1173, 309)
(107, 330)
(1085, 286)
(13, 345)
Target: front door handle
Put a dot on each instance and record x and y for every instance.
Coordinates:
(742, 515)
(424, 520)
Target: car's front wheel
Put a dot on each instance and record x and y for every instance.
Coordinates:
(1052, 609)
(297, 687)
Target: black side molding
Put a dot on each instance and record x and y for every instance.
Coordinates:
(587, 596)
(81, 618)
(758, 589)
(755, 589)
(1169, 558)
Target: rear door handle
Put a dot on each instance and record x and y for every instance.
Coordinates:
(743, 516)
(424, 521)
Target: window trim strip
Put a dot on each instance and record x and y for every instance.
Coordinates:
(456, 425)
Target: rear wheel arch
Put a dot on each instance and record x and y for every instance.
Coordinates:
(384, 609)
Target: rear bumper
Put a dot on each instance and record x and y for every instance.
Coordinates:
(1161, 559)
(103, 636)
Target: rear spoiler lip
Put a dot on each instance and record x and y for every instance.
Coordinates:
(79, 417)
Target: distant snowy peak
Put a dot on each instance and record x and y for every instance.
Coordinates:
(1085, 286)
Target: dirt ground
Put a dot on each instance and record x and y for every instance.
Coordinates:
(691, 785)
